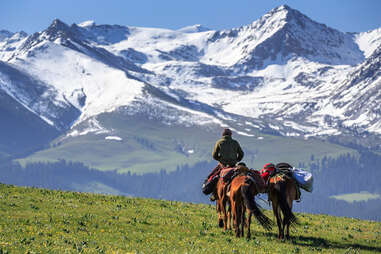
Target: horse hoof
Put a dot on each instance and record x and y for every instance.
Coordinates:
(221, 223)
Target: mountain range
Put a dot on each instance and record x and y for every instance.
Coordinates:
(122, 97)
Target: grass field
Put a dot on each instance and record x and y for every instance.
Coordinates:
(357, 197)
(43, 221)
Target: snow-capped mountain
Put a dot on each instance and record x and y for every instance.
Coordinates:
(284, 73)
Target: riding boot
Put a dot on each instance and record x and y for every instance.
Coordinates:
(228, 190)
(213, 196)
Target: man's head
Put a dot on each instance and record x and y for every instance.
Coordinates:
(227, 132)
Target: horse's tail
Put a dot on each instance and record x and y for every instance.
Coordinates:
(253, 207)
(286, 209)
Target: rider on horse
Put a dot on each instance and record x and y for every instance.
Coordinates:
(228, 152)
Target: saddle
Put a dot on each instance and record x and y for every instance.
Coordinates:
(237, 171)
(228, 174)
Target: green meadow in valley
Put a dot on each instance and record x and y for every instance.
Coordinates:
(43, 221)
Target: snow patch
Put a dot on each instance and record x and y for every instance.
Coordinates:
(93, 126)
(113, 138)
(193, 29)
(369, 41)
(87, 23)
(245, 134)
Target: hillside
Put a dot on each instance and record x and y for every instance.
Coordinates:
(149, 146)
(41, 221)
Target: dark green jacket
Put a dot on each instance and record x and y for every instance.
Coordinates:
(227, 151)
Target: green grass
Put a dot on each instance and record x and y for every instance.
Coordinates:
(356, 197)
(162, 150)
(43, 221)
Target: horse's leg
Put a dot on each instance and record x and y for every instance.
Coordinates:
(248, 223)
(243, 219)
(219, 211)
(223, 207)
(275, 205)
(288, 230)
(229, 215)
(234, 210)
(286, 223)
(289, 201)
(239, 219)
(281, 223)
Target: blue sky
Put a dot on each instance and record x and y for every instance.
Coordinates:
(35, 15)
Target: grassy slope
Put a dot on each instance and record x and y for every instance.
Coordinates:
(148, 146)
(44, 221)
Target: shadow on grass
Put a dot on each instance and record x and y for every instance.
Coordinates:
(324, 243)
(319, 242)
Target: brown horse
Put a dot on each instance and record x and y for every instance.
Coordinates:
(282, 192)
(224, 216)
(242, 192)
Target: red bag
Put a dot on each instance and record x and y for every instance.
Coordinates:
(267, 170)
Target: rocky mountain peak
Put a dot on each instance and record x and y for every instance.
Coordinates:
(57, 23)
(58, 29)
(284, 33)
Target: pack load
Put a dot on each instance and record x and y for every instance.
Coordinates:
(267, 171)
(210, 184)
(303, 178)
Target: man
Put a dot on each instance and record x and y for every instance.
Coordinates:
(227, 152)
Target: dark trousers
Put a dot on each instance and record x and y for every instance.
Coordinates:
(216, 171)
